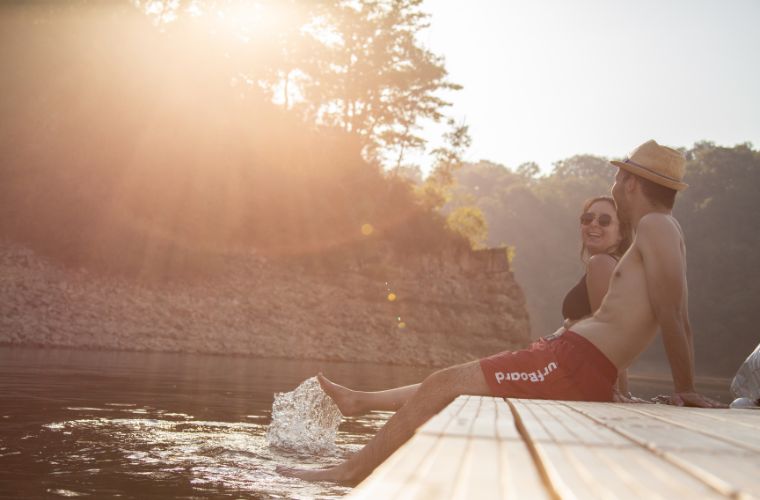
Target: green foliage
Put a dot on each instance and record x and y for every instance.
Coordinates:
(470, 223)
(412, 173)
(511, 253)
(719, 217)
(538, 216)
(374, 78)
(437, 188)
(448, 158)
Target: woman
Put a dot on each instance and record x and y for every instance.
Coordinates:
(604, 240)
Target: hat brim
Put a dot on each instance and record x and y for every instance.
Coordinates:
(646, 174)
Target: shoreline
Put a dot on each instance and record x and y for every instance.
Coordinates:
(440, 315)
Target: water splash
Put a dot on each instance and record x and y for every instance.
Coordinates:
(304, 420)
(746, 383)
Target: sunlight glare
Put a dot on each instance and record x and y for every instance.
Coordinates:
(248, 19)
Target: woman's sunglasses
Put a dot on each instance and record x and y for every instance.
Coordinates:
(604, 220)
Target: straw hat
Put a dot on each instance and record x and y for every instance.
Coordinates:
(659, 164)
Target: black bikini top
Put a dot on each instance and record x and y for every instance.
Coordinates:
(576, 304)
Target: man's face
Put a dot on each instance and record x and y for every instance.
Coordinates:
(618, 193)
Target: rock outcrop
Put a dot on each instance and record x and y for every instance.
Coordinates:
(433, 315)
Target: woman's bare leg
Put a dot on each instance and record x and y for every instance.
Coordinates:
(352, 402)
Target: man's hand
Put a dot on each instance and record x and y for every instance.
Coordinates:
(695, 399)
(619, 397)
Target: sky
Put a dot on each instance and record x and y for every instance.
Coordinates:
(548, 79)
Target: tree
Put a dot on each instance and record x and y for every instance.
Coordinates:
(529, 170)
(373, 78)
(437, 188)
(470, 222)
(719, 216)
(353, 64)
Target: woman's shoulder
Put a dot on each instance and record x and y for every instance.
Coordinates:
(601, 262)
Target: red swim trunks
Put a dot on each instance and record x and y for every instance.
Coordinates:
(567, 367)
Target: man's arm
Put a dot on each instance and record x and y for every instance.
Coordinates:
(692, 398)
(660, 244)
(686, 323)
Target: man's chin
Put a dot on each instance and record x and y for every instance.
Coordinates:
(622, 211)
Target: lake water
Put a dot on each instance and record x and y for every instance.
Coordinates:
(155, 425)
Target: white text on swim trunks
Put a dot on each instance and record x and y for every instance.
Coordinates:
(535, 376)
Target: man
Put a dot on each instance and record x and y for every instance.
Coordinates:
(647, 292)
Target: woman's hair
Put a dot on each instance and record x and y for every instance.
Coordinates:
(626, 235)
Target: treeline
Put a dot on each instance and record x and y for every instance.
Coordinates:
(538, 215)
(152, 143)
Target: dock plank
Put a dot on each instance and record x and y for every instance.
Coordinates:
(735, 432)
(407, 465)
(682, 436)
(439, 422)
(404, 468)
(489, 448)
(480, 471)
(584, 459)
(469, 450)
(735, 416)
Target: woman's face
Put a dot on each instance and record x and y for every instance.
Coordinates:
(598, 237)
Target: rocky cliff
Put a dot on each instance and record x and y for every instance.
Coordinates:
(434, 315)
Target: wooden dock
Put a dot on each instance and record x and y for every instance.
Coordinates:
(482, 447)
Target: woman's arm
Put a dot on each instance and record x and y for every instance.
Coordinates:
(598, 274)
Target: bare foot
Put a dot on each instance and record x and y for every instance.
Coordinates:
(335, 474)
(348, 401)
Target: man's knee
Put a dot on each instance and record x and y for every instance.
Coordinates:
(440, 384)
(457, 380)
(442, 376)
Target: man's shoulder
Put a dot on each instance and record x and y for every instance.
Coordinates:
(657, 223)
(659, 230)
